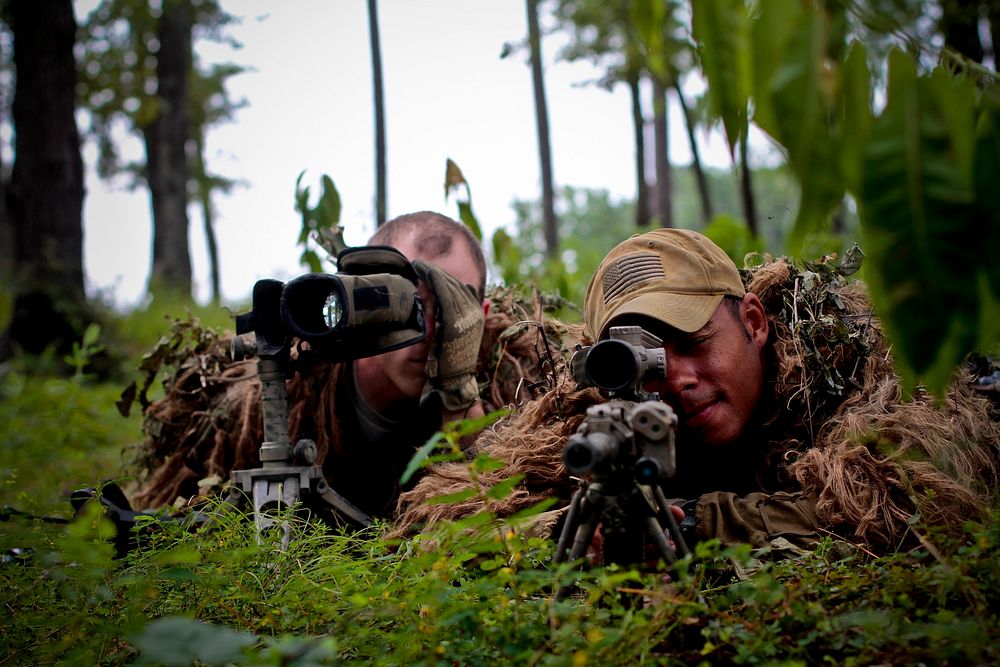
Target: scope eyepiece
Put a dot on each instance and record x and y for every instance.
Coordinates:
(620, 363)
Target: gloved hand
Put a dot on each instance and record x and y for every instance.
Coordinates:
(451, 363)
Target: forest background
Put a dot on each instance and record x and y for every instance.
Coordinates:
(876, 123)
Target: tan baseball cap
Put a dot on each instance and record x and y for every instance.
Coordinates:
(676, 276)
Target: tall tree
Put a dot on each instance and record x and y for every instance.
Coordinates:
(959, 23)
(642, 214)
(664, 210)
(139, 68)
(166, 136)
(542, 121)
(210, 105)
(6, 229)
(699, 171)
(601, 32)
(45, 195)
(746, 184)
(376, 49)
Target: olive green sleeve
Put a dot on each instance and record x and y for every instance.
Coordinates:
(756, 519)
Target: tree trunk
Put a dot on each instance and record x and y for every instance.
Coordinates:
(993, 17)
(6, 263)
(959, 23)
(699, 171)
(166, 159)
(664, 180)
(638, 126)
(45, 193)
(746, 185)
(204, 185)
(380, 195)
(542, 120)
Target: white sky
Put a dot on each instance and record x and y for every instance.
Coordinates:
(448, 94)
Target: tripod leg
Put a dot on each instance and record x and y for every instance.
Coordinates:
(591, 515)
(569, 527)
(675, 530)
(581, 526)
(655, 533)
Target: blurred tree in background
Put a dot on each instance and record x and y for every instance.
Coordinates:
(42, 218)
(138, 67)
(884, 112)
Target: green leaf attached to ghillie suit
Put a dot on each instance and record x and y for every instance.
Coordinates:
(208, 422)
(837, 426)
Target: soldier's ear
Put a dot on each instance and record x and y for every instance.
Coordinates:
(755, 319)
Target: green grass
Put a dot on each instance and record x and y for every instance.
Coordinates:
(477, 592)
(481, 597)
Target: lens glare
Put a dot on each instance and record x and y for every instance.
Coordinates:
(333, 311)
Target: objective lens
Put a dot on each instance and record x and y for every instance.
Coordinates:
(333, 311)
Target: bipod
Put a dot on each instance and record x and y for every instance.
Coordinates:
(631, 515)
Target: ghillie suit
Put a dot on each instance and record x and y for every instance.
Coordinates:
(209, 422)
(835, 428)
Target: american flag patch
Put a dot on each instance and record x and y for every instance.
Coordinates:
(630, 272)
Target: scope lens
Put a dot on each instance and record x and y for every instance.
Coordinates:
(333, 310)
(612, 365)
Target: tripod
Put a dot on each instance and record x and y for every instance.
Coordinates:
(627, 449)
(288, 475)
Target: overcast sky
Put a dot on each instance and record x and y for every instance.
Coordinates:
(448, 95)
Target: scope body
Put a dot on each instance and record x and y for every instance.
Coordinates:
(620, 364)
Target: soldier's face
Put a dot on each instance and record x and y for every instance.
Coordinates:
(400, 375)
(715, 376)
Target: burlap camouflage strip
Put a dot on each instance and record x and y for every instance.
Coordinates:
(207, 422)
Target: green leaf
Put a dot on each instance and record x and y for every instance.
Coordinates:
(919, 222)
(469, 219)
(532, 511)
(91, 334)
(507, 255)
(181, 641)
(987, 175)
(311, 260)
(453, 177)
(722, 30)
(485, 463)
(420, 457)
(329, 205)
(649, 20)
(857, 115)
(795, 96)
(466, 427)
(178, 556)
(453, 498)
(301, 194)
(505, 488)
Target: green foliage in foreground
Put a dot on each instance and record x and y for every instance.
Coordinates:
(482, 597)
(478, 592)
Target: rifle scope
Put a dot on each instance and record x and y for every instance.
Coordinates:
(622, 362)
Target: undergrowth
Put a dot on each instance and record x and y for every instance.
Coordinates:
(479, 591)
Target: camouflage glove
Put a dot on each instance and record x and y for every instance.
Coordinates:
(451, 363)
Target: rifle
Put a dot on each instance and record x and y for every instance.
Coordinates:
(626, 449)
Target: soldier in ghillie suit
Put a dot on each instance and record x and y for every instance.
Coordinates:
(792, 424)
(367, 417)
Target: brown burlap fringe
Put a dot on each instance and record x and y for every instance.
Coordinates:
(869, 458)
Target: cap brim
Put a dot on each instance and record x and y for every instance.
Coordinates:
(687, 312)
